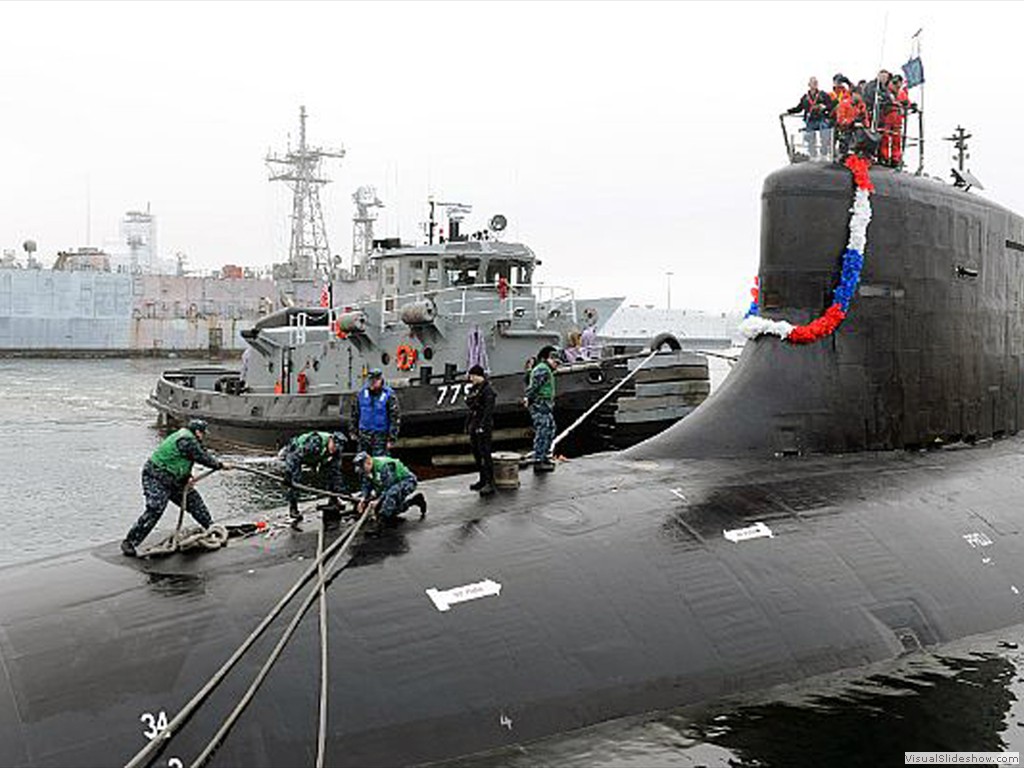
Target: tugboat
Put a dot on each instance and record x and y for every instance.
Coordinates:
(423, 315)
(439, 309)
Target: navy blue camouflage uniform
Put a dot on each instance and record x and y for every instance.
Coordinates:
(160, 486)
(393, 482)
(312, 453)
(374, 442)
(542, 412)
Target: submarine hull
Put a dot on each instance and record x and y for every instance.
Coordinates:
(760, 541)
(618, 601)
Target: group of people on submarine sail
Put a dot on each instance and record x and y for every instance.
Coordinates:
(868, 118)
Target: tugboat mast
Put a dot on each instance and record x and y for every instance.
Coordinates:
(366, 201)
(308, 253)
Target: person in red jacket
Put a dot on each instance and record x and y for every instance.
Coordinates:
(851, 117)
(892, 123)
(840, 92)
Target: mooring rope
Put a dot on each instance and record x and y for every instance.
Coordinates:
(214, 537)
(145, 755)
(601, 402)
(321, 742)
(300, 486)
(229, 722)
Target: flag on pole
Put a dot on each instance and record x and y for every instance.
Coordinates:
(325, 296)
(913, 71)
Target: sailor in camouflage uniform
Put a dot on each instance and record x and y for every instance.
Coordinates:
(165, 477)
(540, 399)
(374, 416)
(390, 481)
(322, 451)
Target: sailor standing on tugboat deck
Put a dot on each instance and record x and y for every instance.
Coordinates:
(165, 477)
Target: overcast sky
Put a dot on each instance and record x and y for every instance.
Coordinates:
(621, 140)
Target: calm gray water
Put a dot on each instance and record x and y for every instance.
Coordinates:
(75, 436)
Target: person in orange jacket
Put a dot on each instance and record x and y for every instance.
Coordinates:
(893, 122)
(851, 116)
(840, 91)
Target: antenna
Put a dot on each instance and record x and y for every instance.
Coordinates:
(885, 29)
(88, 210)
(881, 60)
(456, 213)
(308, 253)
(962, 178)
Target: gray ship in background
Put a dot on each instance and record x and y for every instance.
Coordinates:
(124, 300)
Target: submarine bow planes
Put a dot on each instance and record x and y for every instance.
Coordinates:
(851, 493)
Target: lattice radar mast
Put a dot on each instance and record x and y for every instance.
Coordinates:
(309, 253)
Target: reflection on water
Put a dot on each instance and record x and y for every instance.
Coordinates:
(967, 701)
(932, 704)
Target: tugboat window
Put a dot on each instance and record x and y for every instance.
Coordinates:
(416, 272)
(385, 358)
(459, 272)
(496, 269)
(433, 273)
(389, 275)
(428, 353)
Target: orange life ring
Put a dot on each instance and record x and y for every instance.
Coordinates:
(405, 357)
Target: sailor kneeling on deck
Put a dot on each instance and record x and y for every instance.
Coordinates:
(165, 477)
(390, 482)
(322, 452)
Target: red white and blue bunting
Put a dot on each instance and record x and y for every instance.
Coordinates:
(754, 325)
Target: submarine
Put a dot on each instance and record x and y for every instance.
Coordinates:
(833, 504)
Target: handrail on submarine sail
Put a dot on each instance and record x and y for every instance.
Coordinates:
(907, 140)
(600, 402)
(229, 722)
(145, 755)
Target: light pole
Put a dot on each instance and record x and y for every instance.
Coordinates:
(668, 280)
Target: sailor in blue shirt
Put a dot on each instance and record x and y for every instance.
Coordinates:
(375, 416)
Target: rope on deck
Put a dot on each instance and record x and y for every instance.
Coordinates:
(146, 755)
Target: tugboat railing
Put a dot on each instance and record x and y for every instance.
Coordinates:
(524, 300)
